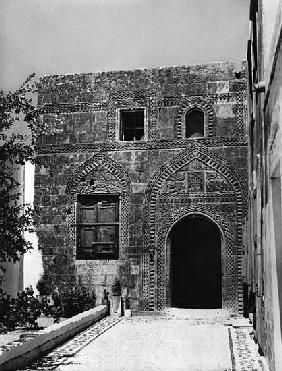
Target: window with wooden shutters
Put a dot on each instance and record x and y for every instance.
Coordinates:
(97, 226)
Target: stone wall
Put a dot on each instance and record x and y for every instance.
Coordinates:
(159, 179)
(263, 257)
(270, 303)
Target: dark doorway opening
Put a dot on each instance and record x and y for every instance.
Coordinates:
(196, 279)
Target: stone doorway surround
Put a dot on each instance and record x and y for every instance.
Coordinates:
(163, 262)
(157, 224)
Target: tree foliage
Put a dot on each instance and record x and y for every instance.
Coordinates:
(18, 125)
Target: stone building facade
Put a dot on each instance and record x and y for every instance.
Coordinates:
(142, 175)
(262, 271)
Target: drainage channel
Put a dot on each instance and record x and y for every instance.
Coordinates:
(62, 354)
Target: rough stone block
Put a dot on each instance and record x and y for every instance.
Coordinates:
(110, 270)
(225, 111)
(97, 279)
(138, 187)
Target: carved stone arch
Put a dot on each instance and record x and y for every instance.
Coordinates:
(228, 240)
(219, 164)
(97, 161)
(113, 179)
(186, 105)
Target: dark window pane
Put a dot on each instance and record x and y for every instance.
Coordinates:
(104, 249)
(139, 134)
(132, 125)
(194, 122)
(85, 254)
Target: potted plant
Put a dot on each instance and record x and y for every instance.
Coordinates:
(44, 286)
(116, 295)
(127, 307)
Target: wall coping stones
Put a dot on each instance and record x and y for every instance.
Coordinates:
(47, 339)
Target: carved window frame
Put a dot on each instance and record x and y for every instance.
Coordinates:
(206, 105)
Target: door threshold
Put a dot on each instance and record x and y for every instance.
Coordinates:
(197, 313)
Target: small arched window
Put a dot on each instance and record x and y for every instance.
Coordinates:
(194, 123)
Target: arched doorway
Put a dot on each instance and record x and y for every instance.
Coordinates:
(196, 273)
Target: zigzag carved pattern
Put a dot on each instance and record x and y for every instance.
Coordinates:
(187, 104)
(119, 146)
(102, 161)
(195, 151)
(95, 162)
(229, 234)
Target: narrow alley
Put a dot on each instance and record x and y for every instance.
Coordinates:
(171, 341)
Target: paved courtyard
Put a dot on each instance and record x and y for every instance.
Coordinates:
(171, 342)
(156, 345)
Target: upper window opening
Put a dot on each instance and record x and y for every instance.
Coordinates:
(194, 123)
(97, 226)
(132, 125)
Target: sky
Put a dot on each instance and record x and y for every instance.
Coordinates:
(75, 36)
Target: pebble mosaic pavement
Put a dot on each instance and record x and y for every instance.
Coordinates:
(244, 351)
(65, 352)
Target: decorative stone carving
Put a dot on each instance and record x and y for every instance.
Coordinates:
(100, 174)
(154, 250)
(171, 176)
(228, 232)
(120, 146)
(185, 105)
